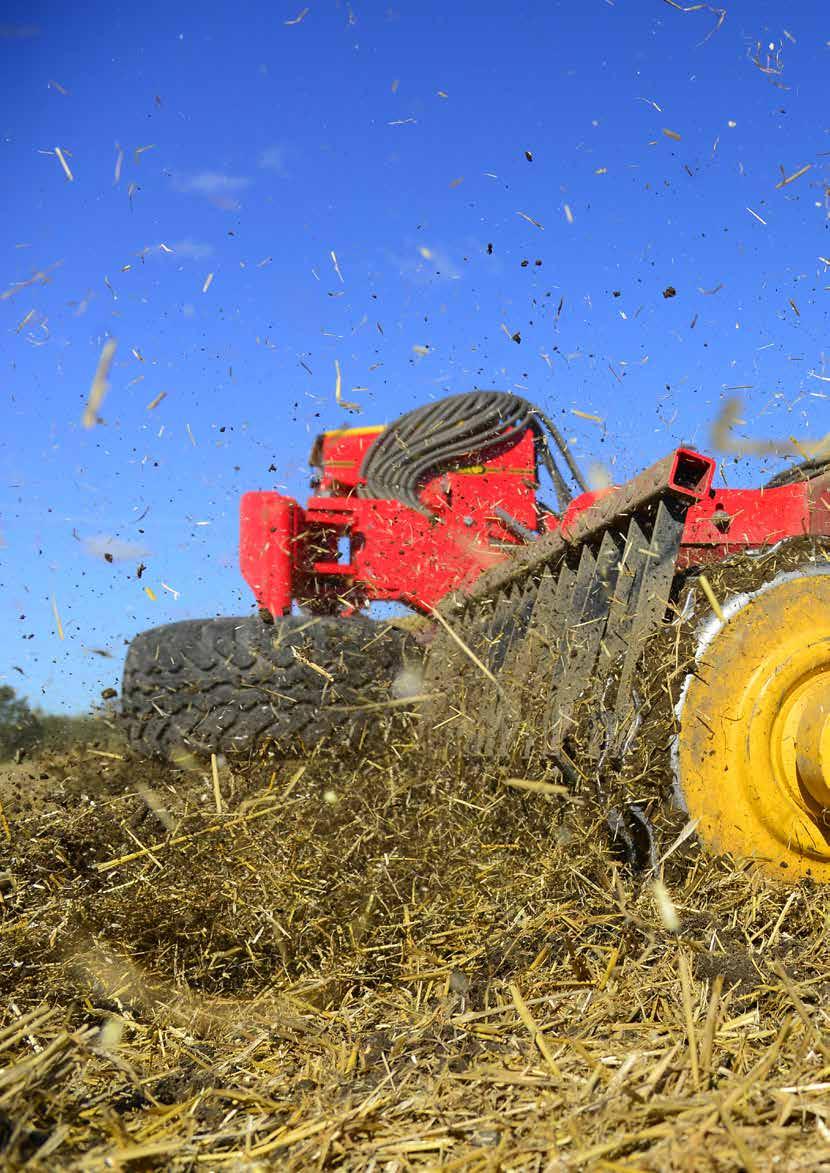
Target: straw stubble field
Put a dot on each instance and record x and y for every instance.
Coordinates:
(360, 964)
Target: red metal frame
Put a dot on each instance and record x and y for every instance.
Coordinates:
(341, 551)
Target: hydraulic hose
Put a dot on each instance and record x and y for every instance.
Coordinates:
(445, 434)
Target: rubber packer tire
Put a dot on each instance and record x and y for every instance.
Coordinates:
(228, 685)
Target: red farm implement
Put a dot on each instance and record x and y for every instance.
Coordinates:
(545, 624)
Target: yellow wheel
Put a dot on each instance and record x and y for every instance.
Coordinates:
(752, 757)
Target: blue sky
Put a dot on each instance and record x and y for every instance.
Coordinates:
(394, 136)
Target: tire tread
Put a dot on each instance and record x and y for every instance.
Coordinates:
(227, 685)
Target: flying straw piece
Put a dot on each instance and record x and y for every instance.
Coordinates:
(467, 651)
(208, 282)
(795, 175)
(333, 256)
(100, 385)
(586, 415)
(530, 220)
(760, 219)
(712, 597)
(64, 164)
(719, 13)
(56, 613)
(217, 793)
(299, 17)
(119, 161)
(155, 402)
(41, 277)
(672, 134)
(665, 906)
(338, 390)
(298, 655)
(534, 787)
(687, 831)
(150, 593)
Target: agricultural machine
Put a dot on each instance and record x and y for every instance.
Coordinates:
(664, 628)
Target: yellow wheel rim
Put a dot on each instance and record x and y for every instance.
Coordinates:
(753, 748)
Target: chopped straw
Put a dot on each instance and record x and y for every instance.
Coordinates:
(446, 967)
(711, 597)
(465, 649)
(64, 164)
(100, 384)
(56, 613)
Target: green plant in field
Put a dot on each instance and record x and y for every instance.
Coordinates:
(19, 725)
(23, 728)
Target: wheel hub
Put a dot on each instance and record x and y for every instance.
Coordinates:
(753, 752)
(802, 735)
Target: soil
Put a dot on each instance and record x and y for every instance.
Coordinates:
(362, 963)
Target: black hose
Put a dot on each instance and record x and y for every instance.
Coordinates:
(445, 434)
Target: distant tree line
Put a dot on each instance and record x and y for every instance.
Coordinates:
(24, 729)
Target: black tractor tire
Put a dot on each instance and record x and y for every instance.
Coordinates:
(228, 686)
